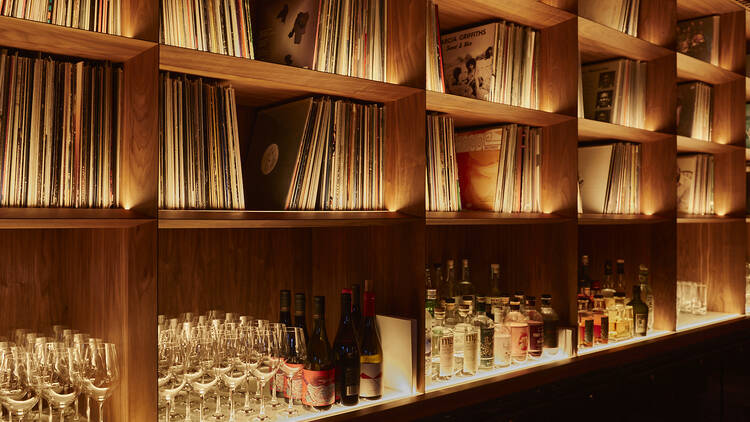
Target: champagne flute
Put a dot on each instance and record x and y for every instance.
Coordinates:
(204, 356)
(269, 363)
(221, 361)
(236, 374)
(277, 330)
(294, 351)
(249, 359)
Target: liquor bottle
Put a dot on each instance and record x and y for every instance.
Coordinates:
(459, 334)
(371, 356)
(519, 332)
(319, 380)
(471, 355)
(486, 335)
(499, 313)
(440, 284)
(427, 345)
(347, 354)
(445, 351)
(465, 286)
(551, 321)
(585, 323)
(596, 288)
(438, 327)
(502, 345)
(521, 299)
(620, 280)
(469, 301)
(536, 328)
(648, 296)
(640, 312)
(601, 321)
(356, 308)
(450, 282)
(608, 286)
(300, 318)
(428, 278)
(493, 300)
(584, 281)
(431, 301)
(285, 316)
(624, 323)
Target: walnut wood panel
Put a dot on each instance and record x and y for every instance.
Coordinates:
(658, 178)
(406, 42)
(728, 120)
(618, 219)
(38, 36)
(656, 22)
(61, 218)
(243, 270)
(593, 130)
(688, 9)
(404, 153)
(140, 19)
(690, 68)
(648, 244)
(685, 144)
(714, 254)
(140, 134)
(558, 79)
(219, 219)
(535, 258)
(567, 5)
(661, 94)
(732, 41)
(468, 112)
(599, 42)
(729, 184)
(559, 169)
(460, 13)
(88, 280)
(473, 217)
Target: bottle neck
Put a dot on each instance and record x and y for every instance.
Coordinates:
(346, 310)
(369, 308)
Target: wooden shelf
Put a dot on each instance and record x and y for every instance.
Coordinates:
(261, 83)
(69, 218)
(692, 219)
(685, 144)
(459, 13)
(61, 40)
(747, 87)
(599, 42)
(594, 130)
(618, 219)
(476, 218)
(472, 112)
(690, 68)
(689, 9)
(219, 219)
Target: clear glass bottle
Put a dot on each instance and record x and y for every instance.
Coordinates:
(601, 321)
(608, 285)
(486, 335)
(624, 322)
(471, 353)
(502, 309)
(439, 281)
(438, 327)
(450, 282)
(493, 299)
(551, 322)
(445, 359)
(459, 333)
(502, 345)
(646, 293)
(469, 301)
(585, 323)
(521, 299)
(640, 313)
(465, 286)
(584, 280)
(431, 301)
(536, 328)
(519, 332)
(428, 278)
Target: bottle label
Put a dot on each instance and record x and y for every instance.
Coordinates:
(371, 380)
(446, 356)
(487, 347)
(588, 331)
(279, 384)
(471, 352)
(536, 337)
(550, 334)
(519, 340)
(348, 380)
(318, 387)
(458, 339)
(641, 324)
(296, 390)
(605, 329)
(502, 349)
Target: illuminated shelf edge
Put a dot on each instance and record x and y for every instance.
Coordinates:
(617, 344)
(389, 395)
(690, 321)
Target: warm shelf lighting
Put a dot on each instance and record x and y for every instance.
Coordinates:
(689, 321)
(615, 344)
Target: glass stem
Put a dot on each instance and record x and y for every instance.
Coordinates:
(88, 409)
(62, 414)
(101, 414)
(169, 410)
(200, 410)
(187, 405)
(75, 406)
(290, 392)
(262, 412)
(217, 413)
(231, 404)
(246, 407)
(274, 402)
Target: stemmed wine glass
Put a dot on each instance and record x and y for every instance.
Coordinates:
(268, 346)
(203, 356)
(294, 351)
(236, 374)
(277, 330)
(101, 373)
(249, 359)
(15, 384)
(260, 325)
(192, 369)
(173, 382)
(222, 363)
(62, 390)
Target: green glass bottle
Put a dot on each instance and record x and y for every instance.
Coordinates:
(640, 312)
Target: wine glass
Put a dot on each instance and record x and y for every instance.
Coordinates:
(294, 351)
(249, 359)
(15, 383)
(236, 374)
(277, 330)
(204, 357)
(102, 374)
(61, 391)
(79, 344)
(192, 369)
(260, 325)
(268, 347)
(221, 362)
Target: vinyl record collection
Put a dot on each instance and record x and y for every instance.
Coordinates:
(621, 15)
(699, 38)
(609, 178)
(694, 110)
(59, 132)
(442, 188)
(499, 169)
(495, 62)
(435, 77)
(614, 91)
(199, 145)
(695, 188)
(318, 154)
(352, 38)
(91, 15)
(216, 26)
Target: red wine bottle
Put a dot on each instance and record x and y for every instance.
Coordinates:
(285, 315)
(318, 375)
(346, 352)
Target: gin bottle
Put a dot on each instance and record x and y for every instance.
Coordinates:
(536, 328)
(486, 335)
(551, 321)
(465, 286)
(519, 332)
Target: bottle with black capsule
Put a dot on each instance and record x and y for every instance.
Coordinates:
(300, 317)
(346, 354)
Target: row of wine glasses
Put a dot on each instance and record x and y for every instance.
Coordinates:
(218, 355)
(52, 374)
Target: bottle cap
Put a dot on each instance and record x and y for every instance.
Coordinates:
(598, 297)
(596, 285)
(299, 303)
(619, 294)
(319, 307)
(450, 300)
(431, 293)
(285, 299)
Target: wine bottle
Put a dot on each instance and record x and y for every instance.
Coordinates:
(346, 354)
(371, 358)
(300, 317)
(319, 380)
(356, 308)
(285, 316)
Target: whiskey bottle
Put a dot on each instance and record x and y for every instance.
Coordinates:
(608, 286)
(551, 321)
(648, 296)
(585, 323)
(536, 328)
(640, 312)
(486, 335)
(601, 321)
(519, 332)
(465, 286)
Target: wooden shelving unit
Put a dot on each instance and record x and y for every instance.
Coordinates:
(111, 272)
